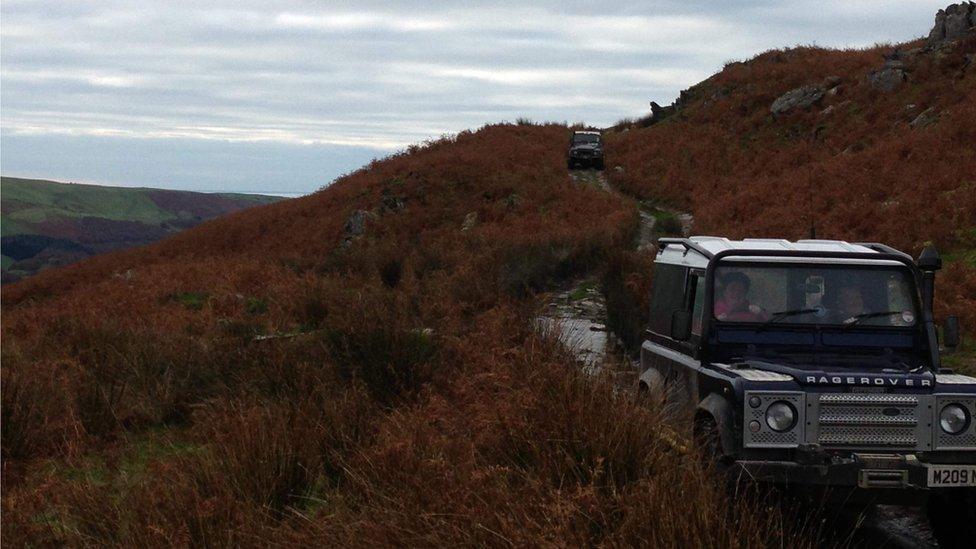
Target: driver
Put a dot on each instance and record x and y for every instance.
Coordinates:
(850, 304)
(733, 302)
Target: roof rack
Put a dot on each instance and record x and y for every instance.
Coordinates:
(689, 245)
(884, 248)
(694, 245)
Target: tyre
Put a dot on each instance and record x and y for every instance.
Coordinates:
(952, 515)
(570, 164)
(599, 165)
(708, 439)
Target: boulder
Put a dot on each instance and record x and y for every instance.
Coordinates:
(952, 23)
(391, 204)
(356, 224)
(513, 201)
(470, 221)
(832, 82)
(659, 113)
(799, 98)
(925, 118)
(889, 77)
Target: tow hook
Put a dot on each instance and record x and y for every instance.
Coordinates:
(883, 470)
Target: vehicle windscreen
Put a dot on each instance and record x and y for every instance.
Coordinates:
(815, 294)
(586, 138)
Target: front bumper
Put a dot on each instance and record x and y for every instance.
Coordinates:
(890, 478)
(584, 157)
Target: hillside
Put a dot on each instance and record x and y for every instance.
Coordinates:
(46, 223)
(397, 392)
(362, 367)
(860, 163)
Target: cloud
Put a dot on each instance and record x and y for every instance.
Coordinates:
(381, 75)
(359, 22)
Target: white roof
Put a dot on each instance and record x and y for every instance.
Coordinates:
(587, 131)
(717, 244)
(677, 254)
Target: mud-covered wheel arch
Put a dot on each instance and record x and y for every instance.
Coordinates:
(650, 387)
(713, 428)
(952, 515)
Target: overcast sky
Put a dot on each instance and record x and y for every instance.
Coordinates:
(285, 96)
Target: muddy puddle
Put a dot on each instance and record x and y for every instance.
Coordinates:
(577, 314)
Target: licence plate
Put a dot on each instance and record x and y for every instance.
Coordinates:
(952, 475)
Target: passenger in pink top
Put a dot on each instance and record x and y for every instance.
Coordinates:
(732, 303)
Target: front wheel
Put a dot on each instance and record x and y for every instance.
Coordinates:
(708, 438)
(952, 515)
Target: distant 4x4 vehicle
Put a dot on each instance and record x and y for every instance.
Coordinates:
(585, 150)
(816, 364)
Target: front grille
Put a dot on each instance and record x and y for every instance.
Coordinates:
(868, 420)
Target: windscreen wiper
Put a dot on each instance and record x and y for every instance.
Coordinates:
(785, 314)
(857, 318)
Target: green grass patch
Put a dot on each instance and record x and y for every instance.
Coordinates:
(143, 449)
(255, 306)
(191, 300)
(666, 221)
(42, 200)
(967, 256)
(9, 226)
(961, 362)
(586, 289)
(35, 200)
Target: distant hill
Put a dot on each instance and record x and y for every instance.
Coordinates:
(46, 223)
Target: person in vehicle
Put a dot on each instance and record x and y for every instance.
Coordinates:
(849, 304)
(732, 303)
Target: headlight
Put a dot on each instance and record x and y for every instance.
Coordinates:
(780, 416)
(954, 419)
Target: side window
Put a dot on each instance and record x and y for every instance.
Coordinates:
(697, 303)
(668, 296)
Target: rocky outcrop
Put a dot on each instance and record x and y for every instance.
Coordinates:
(659, 113)
(799, 98)
(952, 23)
(391, 204)
(889, 77)
(355, 226)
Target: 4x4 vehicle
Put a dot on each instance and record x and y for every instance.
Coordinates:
(585, 149)
(816, 364)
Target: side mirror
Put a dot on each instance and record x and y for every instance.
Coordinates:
(950, 332)
(680, 325)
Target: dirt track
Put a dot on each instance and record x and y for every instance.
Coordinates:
(578, 312)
